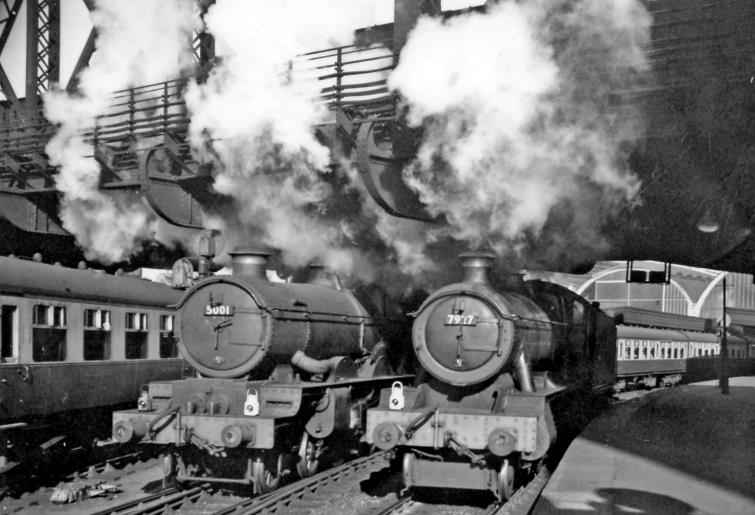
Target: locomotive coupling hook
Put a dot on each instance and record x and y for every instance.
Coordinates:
(463, 450)
(160, 416)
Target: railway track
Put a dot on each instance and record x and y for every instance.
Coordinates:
(35, 496)
(158, 502)
(364, 485)
(302, 496)
(521, 503)
(313, 494)
(339, 489)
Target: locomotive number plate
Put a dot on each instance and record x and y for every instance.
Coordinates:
(218, 310)
(461, 320)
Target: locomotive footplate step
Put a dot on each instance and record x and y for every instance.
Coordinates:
(688, 449)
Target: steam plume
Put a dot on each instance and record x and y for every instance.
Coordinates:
(522, 146)
(138, 42)
(254, 119)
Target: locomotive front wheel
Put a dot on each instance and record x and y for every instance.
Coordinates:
(506, 476)
(267, 478)
(309, 459)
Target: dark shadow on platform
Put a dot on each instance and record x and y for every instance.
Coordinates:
(618, 500)
(693, 429)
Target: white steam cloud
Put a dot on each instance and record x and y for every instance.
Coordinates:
(138, 42)
(518, 123)
(254, 119)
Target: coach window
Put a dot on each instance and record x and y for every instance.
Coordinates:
(652, 352)
(168, 346)
(136, 335)
(96, 334)
(681, 353)
(8, 334)
(48, 333)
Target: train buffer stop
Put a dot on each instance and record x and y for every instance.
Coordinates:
(684, 450)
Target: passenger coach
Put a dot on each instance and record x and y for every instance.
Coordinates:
(652, 348)
(75, 344)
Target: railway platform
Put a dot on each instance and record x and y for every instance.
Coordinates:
(683, 450)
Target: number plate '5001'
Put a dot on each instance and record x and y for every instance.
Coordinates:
(461, 320)
(218, 310)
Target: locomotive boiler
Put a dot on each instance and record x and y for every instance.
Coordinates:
(495, 361)
(283, 369)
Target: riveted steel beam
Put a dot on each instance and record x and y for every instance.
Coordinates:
(83, 61)
(8, 14)
(203, 43)
(36, 214)
(85, 55)
(42, 48)
(405, 16)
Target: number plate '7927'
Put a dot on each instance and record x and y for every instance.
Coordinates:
(461, 320)
(218, 310)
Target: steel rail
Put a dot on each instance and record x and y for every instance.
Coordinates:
(154, 503)
(291, 492)
(524, 499)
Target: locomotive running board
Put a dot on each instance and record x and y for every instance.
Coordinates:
(354, 381)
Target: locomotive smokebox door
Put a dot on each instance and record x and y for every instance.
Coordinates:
(460, 338)
(228, 334)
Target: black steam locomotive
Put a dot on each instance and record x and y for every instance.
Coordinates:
(495, 361)
(284, 368)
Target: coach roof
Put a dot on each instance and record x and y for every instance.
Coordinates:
(31, 278)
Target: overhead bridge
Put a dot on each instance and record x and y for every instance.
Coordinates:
(701, 98)
(141, 143)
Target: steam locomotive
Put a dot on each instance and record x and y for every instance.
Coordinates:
(284, 369)
(495, 361)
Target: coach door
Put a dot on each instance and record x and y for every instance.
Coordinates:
(8, 333)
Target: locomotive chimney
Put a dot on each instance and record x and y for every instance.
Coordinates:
(477, 266)
(249, 261)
